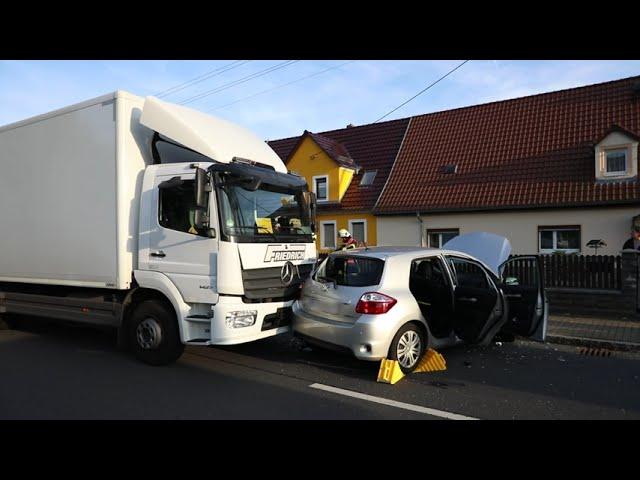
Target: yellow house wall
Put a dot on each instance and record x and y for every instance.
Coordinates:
(345, 175)
(342, 221)
(309, 160)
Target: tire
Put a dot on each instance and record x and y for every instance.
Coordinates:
(408, 333)
(153, 335)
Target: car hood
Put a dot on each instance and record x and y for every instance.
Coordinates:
(493, 250)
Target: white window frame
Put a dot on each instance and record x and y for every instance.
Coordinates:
(359, 220)
(439, 232)
(617, 173)
(555, 239)
(319, 177)
(323, 244)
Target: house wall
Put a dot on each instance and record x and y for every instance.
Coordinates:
(611, 224)
(342, 221)
(310, 160)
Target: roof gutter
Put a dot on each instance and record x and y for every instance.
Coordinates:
(511, 207)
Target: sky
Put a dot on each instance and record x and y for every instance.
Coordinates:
(314, 95)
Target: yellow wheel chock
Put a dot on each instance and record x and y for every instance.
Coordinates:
(390, 371)
(431, 361)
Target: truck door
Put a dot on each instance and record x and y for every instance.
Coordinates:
(176, 247)
(523, 288)
(478, 305)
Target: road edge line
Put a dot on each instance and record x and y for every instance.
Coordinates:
(391, 403)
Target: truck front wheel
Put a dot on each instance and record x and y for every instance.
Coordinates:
(153, 334)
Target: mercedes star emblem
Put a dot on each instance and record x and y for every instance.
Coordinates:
(286, 274)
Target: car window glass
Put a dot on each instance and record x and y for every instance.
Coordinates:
(468, 274)
(429, 270)
(353, 271)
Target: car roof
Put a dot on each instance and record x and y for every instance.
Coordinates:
(399, 255)
(398, 252)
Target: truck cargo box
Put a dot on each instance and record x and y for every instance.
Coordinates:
(68, 201)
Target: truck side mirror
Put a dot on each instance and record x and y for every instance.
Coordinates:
(201, 188)
(201, 219)
(311, 201)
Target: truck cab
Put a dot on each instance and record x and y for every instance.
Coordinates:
(224, 222)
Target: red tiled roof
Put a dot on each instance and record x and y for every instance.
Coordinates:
(372, 147)
(335, 150)
(535, 151)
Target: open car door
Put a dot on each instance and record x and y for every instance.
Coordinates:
(528, 309)
(478, 311)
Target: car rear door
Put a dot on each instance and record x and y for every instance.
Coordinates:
(478, 304)
(523, 287)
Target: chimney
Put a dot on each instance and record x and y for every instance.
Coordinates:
(351, 125)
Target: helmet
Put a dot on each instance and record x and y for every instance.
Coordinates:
(344, 233)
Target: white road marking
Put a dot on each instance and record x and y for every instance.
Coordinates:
(391, 403)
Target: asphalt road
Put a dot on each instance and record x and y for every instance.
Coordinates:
(52, 371)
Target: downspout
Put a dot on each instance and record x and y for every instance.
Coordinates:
(423, 243)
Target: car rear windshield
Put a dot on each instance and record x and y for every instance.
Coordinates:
(352, 271)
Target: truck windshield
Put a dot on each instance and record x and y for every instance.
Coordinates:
(266, 214)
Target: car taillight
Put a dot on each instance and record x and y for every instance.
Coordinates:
(373, 303)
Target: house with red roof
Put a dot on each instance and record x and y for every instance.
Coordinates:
(550, 172)
(347, 169)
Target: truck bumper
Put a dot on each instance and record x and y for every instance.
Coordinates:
(270, 319)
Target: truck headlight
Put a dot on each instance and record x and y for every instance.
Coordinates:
(241, 319)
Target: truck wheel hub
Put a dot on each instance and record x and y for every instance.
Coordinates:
(149, 334)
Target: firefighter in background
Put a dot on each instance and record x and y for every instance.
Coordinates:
(348, 242)
(634, 241)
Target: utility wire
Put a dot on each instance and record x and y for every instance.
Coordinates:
(422, 91)
(201, 78)
(239, 81)
(281, 86)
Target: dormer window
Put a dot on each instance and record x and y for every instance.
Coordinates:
(368, 177)
(617, 156)
(616, 161)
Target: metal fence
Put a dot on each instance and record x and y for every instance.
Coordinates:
(599, 272)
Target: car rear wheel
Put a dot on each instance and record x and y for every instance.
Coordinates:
(408, 346)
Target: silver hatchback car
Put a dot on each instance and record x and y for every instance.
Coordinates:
(395, 302)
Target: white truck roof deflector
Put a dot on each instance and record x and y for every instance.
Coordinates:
(213, 137)
(490, 248)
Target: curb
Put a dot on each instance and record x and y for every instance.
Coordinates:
(593, 342)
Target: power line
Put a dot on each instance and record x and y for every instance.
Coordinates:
(239, 81)
(422, 91)
(202, 78)
(281, 86)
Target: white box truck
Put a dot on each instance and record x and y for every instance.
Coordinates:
(176, 227)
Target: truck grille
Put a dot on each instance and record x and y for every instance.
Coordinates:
(265, 283)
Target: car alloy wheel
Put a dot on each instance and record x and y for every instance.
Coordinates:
(409, 348)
